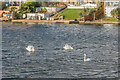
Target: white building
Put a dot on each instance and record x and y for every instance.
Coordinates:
(38, 16)
(110, 5)
(87, 5)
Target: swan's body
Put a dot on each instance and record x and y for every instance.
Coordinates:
(88, 59)
(30, 49)
(67, 47)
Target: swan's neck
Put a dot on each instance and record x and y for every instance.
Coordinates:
(84, 58)
(33, 49)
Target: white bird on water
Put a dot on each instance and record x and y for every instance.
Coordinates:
(67, 47)
(86, 59)
(30, 48)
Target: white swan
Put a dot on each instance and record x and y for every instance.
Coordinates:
(67, 47)
(30, 48)
(88, 59)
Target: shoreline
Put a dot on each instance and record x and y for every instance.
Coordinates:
(68, 21)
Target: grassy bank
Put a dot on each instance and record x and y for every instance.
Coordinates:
(110, 19)
(70, 14)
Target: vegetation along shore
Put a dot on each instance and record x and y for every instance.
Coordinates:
(61, 12)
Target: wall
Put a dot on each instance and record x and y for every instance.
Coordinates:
(50, 9)
(35, 15)
(48, 15)
(60, 8)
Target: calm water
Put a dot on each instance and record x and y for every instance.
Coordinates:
(50, 60)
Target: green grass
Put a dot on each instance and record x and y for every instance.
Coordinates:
(70, 14)
(110, 19)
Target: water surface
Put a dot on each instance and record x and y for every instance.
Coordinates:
(50, 60)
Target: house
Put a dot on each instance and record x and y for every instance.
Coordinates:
(5, 14)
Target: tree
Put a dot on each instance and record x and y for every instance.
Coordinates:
(81, 13)
(28, 7)
(116, 13)
(12, 9)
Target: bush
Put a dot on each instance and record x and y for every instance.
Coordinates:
(18, 16)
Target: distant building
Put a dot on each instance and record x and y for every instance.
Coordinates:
(87, 5)
(80, 2)
(50, 9)
(74, 2)
(7, 3)
(93, 1)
